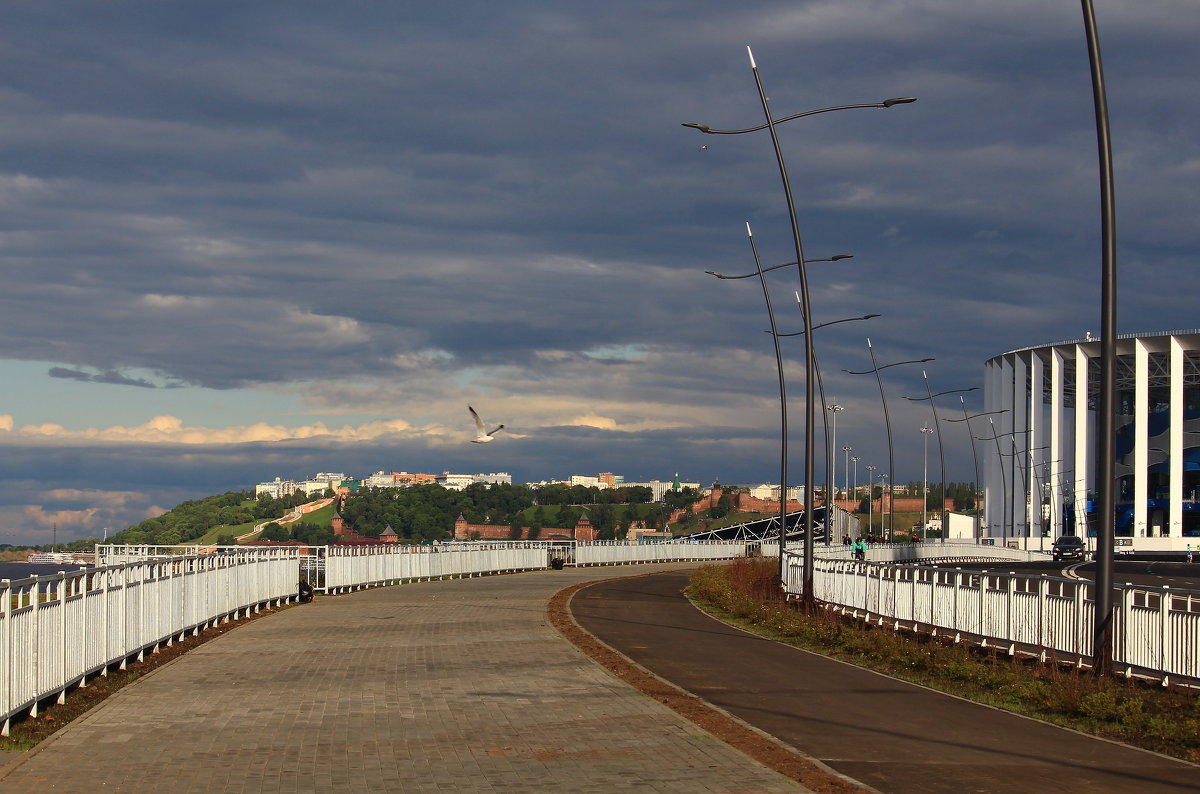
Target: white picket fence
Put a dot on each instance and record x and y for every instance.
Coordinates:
(57, 630)
(1156, 631)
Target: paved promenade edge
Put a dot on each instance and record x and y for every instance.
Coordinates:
(22, 757)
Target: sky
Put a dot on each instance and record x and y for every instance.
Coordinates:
(249, 240)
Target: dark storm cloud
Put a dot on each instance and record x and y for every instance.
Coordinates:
(424, 201)
(109, 376)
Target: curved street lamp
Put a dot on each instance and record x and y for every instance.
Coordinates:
(809, 363)
(830, 470)
(925, 431)
(783, 431)
(831, 444)
(871, 498)
(855, 459)
(941, 450)
(835, 258)
(779, 365)
(883, 489)
(1106, 421)
(974, 452)
(817, 369)
(887, 103)
(887, 421)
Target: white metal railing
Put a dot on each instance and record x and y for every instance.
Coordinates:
(604, 553)
(347, 567)
(1156, 631)
(953, 549)
(56, 630)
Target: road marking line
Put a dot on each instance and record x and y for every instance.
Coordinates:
(1070, 570)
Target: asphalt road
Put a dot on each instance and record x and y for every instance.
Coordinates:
(891, 735)
(1176, 575)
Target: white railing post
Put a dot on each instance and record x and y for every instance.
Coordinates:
(7, 608)
(1165, 636)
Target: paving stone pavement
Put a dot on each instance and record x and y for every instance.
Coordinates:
(456, 686)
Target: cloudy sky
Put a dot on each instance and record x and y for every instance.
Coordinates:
(248, 240)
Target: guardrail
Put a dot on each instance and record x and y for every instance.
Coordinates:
(1155, 630)
(57, 630)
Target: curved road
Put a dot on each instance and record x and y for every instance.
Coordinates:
(1176, 575)
(894, 736)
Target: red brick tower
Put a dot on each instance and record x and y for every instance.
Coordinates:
(584, 529)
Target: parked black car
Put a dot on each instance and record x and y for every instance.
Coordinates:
(1068, 547)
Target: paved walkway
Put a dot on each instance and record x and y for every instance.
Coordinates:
(456, 686)
(894, 736)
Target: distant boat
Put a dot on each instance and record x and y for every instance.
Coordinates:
(51, 558)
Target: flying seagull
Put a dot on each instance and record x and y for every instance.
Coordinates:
(482, 437)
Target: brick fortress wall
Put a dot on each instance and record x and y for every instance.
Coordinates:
(466, 531)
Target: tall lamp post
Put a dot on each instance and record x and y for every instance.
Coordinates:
(846, 450)
(887, 421)
(816, 368)
(809, 377)
(1106, 422)
(974, 452)
(941, 450)
(779, 366)
(883, 489)
(870, 498)
(925, 431)
(831, 497)
(854, 497)
(830, 444)
(783, 430)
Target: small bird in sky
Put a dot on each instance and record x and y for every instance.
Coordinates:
(482, 437)
(702, 148)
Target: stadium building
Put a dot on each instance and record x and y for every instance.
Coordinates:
(1040, 449)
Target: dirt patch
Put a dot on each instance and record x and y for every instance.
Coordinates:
(762, 748)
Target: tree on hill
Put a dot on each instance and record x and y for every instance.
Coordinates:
(274, 531)
(189, 520)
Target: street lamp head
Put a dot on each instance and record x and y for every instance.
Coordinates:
(902, 100)
(839, 257)
(835, 408)
(704, 127)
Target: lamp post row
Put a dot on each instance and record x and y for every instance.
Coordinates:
(809, 354)
(1106, 445)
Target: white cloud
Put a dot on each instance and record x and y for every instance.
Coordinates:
(172, 430)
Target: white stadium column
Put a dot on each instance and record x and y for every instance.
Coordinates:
(1055, 454)
(1033, 443)
(1018, 446)
(1175, 514)
(1141, 445)
(1083, 464)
